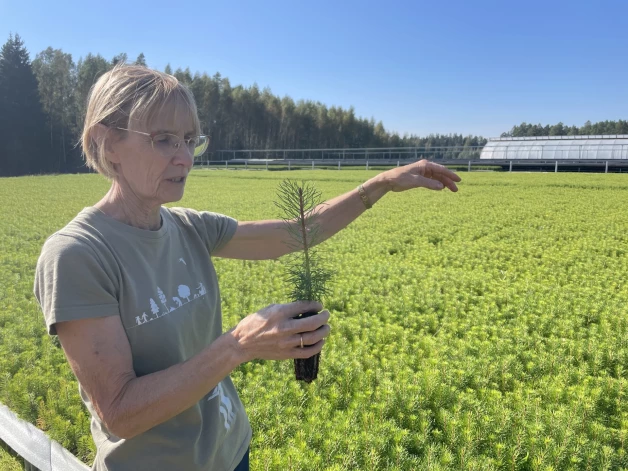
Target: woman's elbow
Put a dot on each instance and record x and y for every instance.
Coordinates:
(119, 428)
(117, 423)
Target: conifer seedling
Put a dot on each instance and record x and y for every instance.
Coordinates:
(305, 268)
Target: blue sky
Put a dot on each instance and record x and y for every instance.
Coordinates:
(471, 67)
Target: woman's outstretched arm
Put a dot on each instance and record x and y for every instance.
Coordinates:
(263, 240)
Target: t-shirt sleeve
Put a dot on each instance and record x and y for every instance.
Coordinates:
(213, 228)
(219, 229)
(72, 283)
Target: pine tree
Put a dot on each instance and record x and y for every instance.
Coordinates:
(121, 58)
(21, 116)
(154, 308)
(141, 60)
(305, 269)
(162, 298)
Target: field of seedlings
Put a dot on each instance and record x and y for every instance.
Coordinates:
(486, 329)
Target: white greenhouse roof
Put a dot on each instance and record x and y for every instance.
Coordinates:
(611, 147)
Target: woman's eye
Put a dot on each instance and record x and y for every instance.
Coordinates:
(163, 140)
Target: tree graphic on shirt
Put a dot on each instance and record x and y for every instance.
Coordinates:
(162, 298)
(184, 292)
(154, 308)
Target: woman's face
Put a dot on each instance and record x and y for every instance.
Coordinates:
(145, 167)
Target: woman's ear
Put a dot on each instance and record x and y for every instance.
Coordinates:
(103, 136)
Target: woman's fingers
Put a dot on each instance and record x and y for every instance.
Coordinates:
(307, 324)
(273, 334)
(310, 338)
(288, 311)
(423, 174)
(448, 182)
(438, 170)
(309, 351)
(429, 183)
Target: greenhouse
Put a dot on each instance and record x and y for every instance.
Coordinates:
(613, 147)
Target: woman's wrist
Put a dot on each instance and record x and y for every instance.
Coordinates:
(236, 353)
(376, 187)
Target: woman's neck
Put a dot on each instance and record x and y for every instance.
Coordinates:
(123, 205)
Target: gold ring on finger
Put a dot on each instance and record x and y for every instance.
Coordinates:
(301, 341)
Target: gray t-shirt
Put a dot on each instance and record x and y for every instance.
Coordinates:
(163, 286)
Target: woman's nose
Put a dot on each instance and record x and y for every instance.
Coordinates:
(184, 157)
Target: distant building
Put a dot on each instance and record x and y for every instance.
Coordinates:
(612, 147)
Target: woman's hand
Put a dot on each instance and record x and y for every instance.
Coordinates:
(272, 333)
(422, 174)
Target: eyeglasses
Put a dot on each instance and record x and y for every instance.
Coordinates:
(168, 144)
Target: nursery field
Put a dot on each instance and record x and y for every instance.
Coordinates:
(486, 329)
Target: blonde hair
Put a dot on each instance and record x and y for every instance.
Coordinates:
(130, 95)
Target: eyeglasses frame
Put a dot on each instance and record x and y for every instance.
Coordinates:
(152, 135)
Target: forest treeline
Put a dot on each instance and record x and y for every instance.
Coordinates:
(43, 100)
(603, 127)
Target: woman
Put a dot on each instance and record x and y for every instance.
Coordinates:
(129, 288)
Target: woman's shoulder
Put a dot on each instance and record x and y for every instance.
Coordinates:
(64, 245)
(67, 254)
(78, 253)
(79, 236)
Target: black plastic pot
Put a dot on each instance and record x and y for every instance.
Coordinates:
(306, 369)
